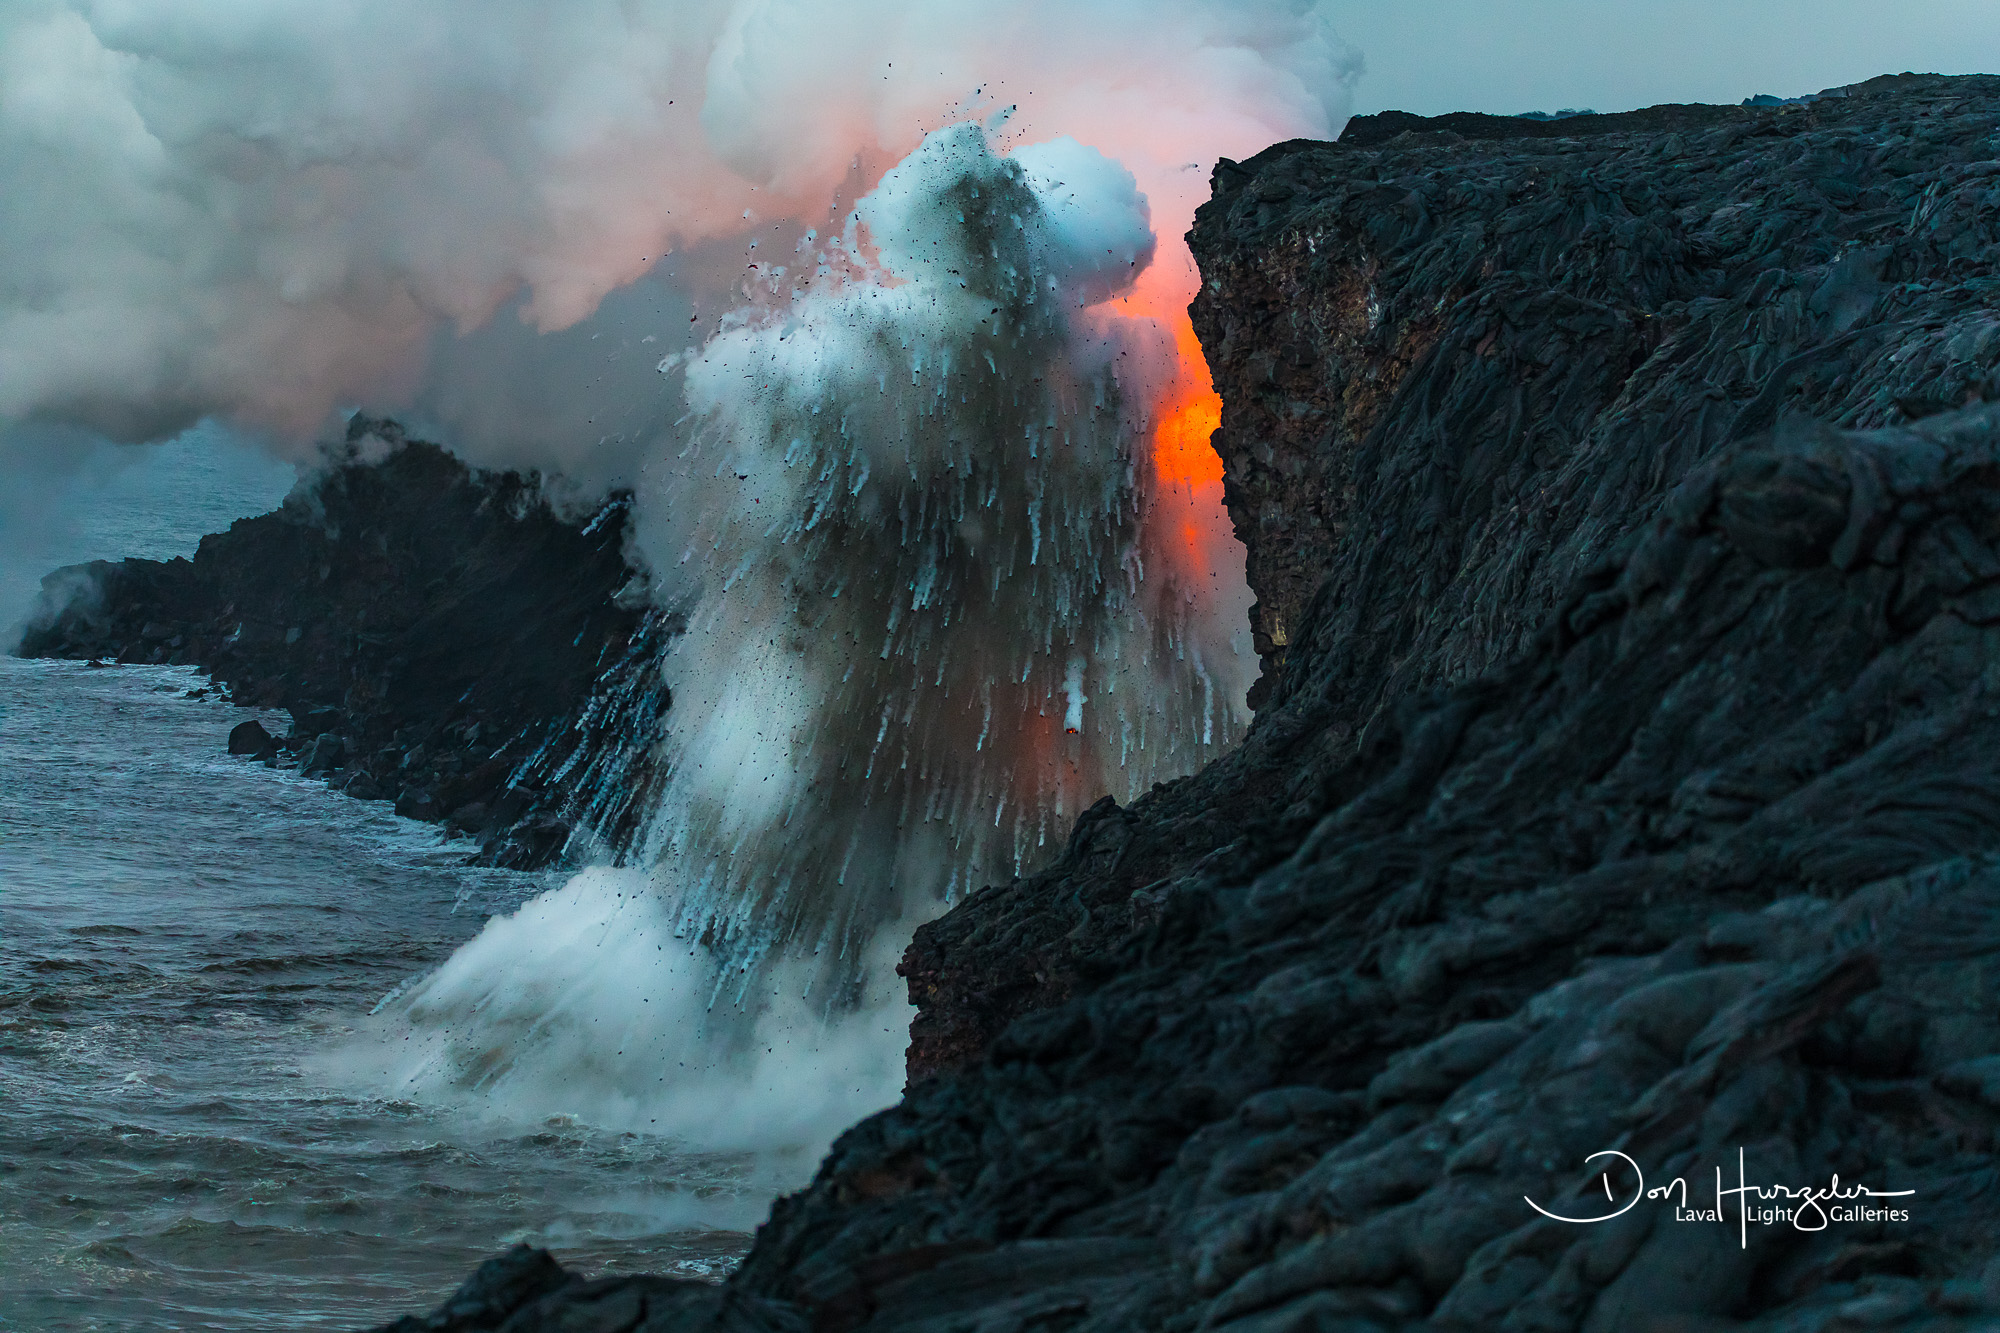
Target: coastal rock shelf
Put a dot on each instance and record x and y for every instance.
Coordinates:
(442, 638)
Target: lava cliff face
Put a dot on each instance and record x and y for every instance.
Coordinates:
(442, 638)
(1455, 373)
(1624, 510)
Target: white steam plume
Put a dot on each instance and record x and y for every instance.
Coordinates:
(262, 213)
(913, 496)
(923, 634)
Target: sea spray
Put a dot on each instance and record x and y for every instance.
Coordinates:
(584, 1003)
(911, 500)
(905, 515)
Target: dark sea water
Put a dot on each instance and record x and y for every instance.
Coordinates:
(185, 939)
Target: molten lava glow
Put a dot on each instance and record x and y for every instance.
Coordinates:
(1182, 452)
(1187, 523)
(1187, 472)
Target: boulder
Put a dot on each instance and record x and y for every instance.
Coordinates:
(363, 787)
(249, 738)
(323, 754)
(418, 803)
(468, 818)
(317, 721)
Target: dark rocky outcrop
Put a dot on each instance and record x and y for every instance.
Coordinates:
(527, 1291)
(250, 738)
(1625, 523)
(442, 638)
(1387, 126)
(1457, 372)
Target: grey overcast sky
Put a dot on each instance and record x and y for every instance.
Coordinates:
(1432, 56)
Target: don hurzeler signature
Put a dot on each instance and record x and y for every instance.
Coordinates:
(1806, 1207)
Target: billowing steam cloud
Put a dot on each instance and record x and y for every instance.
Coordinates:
(880, 307)
(265, 213)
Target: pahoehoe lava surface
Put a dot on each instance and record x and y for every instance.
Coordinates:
(1622, 501)
(443, 639)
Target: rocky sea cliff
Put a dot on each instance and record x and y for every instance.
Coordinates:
(443, 638)
(1600, 927)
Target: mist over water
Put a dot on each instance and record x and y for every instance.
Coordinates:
(93, 500)
(585, 999)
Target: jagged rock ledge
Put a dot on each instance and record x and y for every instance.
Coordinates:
(442, 638)
(1628, 562)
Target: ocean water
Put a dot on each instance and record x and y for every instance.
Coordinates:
(185, 941)
(73, 499)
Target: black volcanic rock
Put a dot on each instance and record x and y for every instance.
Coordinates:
(526, 1291)
(496, 1290)
(1386, 126)
(1625, 520)
(250, 738)
(441, 633)
(1456, 371)
(1711, 866)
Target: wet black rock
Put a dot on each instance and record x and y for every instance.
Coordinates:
(323, 755)
(417, 803)
(469, 818)
(319, 722)
(250, 738)
(496, 1290)
(363, 787)
(526, 1291)
(442, 636)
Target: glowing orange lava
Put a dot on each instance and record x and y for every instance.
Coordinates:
(1187, 513)
(1189, 526)
(1182, 453)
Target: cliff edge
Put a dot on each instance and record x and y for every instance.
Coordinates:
(1612, 867)
(442, 638)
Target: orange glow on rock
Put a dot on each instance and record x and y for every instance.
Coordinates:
(1186, 483)
(1182, 452)
(1189, 526)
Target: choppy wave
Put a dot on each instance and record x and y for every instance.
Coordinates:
(183, 939)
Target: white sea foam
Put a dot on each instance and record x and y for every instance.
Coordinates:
(585, 1003)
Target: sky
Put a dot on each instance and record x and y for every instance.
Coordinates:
(80, 497)
(1509, 56)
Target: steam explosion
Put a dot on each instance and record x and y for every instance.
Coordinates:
(927, 630)
(933, 495)
(927, 626)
